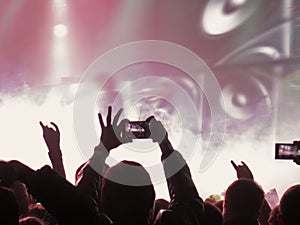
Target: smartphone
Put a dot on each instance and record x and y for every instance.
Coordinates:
(137, 129)
(286, 151)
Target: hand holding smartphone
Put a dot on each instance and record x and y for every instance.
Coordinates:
(286, 151)
(137, 129)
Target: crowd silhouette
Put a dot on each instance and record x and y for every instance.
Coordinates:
(124, 194)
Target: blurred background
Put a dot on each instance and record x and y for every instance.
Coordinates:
(251, 48)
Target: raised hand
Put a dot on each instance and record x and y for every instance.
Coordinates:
(297, 160)
(242, 171)
(51, 136)
(52, 139)
(297, 157)
(112, 135)
(157, 130)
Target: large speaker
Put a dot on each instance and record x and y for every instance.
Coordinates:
(249, 39)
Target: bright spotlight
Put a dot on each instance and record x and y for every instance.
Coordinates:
(60, 30)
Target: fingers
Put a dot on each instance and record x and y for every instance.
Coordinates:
(122, 132)
(42, 125)
(101, 120)
(56, 127)
(108, 118)
(237, 166)
(150, 118)
(244, 164)
(122, 127)
(234, 165)
(47, 129)
(123, 122)
(117, 116)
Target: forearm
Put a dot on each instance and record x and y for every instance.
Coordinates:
(97, 161)
(180, 184)
(183, 193)
(166, 148)
(61, 198)
(55, 157)
(90, 183)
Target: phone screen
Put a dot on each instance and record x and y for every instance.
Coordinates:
(286, 151)
(137, 129)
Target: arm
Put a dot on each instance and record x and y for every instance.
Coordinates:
(52, 140)
(111, 137)
(89, 184)
(186, 205)
(172, 161)
(92, 173)
(243, 171)
(58, 196)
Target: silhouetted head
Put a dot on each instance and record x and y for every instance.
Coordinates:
(160, 204)
(30, 220)
(213, 198)
(219, 205)
(22, 196)
(38, 211)
(9, 213)
(212, 215)
(273, 217)
(243, 200)
(127, 204)
(290, 205)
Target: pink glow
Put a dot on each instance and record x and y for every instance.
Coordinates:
(249, 50)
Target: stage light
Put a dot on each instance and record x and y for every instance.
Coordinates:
(60, 30)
